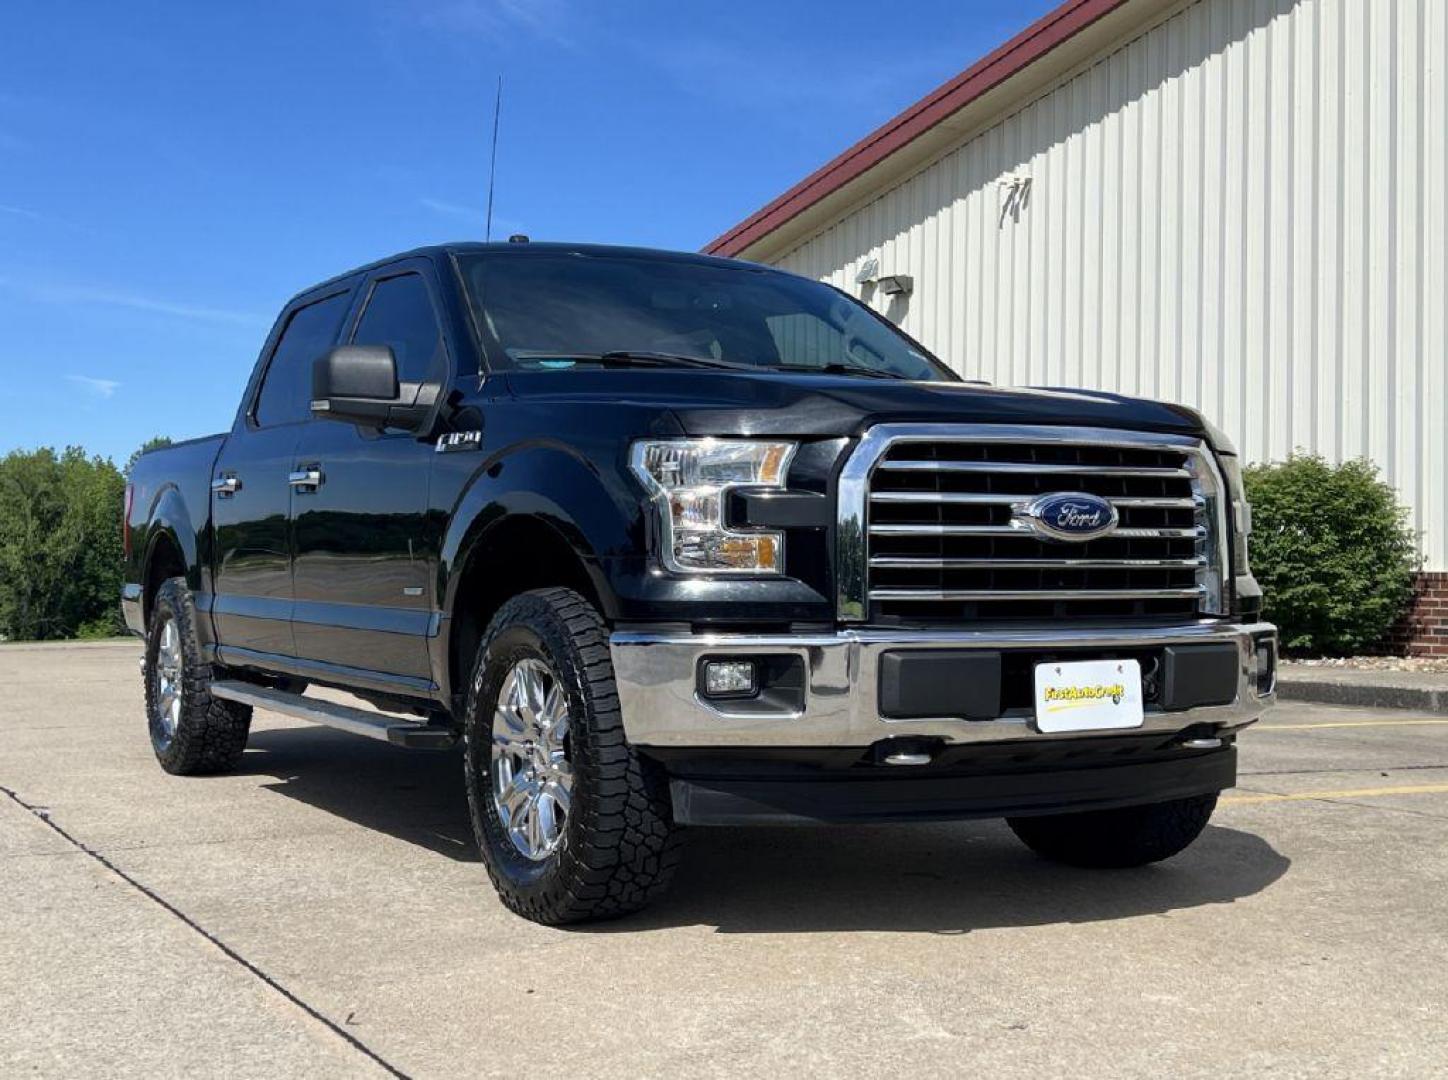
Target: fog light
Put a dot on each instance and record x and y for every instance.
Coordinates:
(1265, 663)
(729, 678)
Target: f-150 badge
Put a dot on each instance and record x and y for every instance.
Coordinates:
(454, 441)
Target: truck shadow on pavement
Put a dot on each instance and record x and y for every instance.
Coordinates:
(945, 878)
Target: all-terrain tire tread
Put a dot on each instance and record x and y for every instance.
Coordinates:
(626, 847)
(212, 732)
(1115, 839)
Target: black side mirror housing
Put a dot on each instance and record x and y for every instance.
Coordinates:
(368, 372)
(358, 384)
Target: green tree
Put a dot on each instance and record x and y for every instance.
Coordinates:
(1332, 550)
(153, 443)
(60, 544)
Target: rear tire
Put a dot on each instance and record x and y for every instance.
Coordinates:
(572, 823)
(1113, 839)
(191, 731)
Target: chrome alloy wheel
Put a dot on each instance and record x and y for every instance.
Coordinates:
(532, 778)
(168, 682)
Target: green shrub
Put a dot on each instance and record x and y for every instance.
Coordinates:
(60, 543)
(104, 626)
(1333, 552)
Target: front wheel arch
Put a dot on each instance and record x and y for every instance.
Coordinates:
(517, 554)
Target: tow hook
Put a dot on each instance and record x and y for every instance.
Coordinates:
(904, 752)
(907, 757)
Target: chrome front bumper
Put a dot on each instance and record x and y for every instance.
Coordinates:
(657, 680)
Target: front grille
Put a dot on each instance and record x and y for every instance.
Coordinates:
(942, 541)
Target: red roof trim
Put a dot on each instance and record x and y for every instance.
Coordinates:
(1024, 49)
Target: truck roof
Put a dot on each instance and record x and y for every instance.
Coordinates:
(529, 248)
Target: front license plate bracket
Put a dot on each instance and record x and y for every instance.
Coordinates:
(1088, 695)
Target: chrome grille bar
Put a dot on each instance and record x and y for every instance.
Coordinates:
(1192, 532)
(1036, 594)
(910, 562)
(1033, 468)
(975, 498)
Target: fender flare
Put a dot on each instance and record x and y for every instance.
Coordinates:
(597, 516)
(168, 518)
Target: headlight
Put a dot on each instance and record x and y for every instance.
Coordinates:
(690, 480)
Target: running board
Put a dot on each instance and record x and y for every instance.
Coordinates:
(373, 725)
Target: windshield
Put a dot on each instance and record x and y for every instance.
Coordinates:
(551, 312)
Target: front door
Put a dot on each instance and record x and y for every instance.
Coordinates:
(364, 544)
(250, 491)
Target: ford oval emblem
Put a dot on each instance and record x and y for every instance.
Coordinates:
(1069, 515)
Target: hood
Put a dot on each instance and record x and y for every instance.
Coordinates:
(709, 402)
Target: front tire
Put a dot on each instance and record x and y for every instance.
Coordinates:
(1113, 839)
(191, 731)
(572, 823)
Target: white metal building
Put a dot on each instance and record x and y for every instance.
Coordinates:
(1237, 204)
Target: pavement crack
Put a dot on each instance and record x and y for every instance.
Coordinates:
(1387, 809)
(42, 814)
(1339, 769)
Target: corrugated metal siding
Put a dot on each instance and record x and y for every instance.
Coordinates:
(1244, 209)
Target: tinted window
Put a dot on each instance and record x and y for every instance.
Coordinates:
(286, 389)
(400, 314)
(554, 311)
(806, 340)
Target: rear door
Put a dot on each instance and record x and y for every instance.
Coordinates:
(251, 493)
(365, 544)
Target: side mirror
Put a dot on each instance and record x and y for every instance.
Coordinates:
(357, 384)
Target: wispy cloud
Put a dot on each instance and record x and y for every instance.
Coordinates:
(108, 297)
(159, 306)
(101, 388)
(551, 20)
(25, 214)
(475, 216)
(776, 79)
(452, 209)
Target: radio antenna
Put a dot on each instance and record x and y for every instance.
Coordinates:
(493, 163)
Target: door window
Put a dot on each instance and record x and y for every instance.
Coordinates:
(286, 388)
(399, 314)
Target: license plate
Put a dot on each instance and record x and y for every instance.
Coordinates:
(1088, 695)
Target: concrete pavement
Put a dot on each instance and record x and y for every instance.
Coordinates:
(322, 912)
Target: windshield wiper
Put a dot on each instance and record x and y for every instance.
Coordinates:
(645, 358)
(630, 358)
(839, 369)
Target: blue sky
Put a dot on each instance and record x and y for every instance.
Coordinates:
(171, 173)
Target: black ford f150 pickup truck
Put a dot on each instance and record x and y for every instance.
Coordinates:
(667, 540)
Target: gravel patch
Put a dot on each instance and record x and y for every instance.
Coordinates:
(1374, 663)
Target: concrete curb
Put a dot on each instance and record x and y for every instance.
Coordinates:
(1365, 695)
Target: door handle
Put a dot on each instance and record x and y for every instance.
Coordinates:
(310, 477)
(226, 486)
